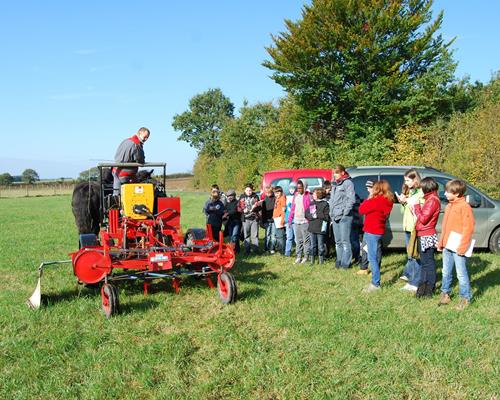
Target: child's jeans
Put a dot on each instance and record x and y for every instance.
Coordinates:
(317, 245)
(234, 228)
(289, 239)
(428, 266)
(412, 268)
(450, 258)
(270, 236)
(363, 263)
(280, 240)
(372, 242)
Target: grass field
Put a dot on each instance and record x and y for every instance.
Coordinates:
(294, 333)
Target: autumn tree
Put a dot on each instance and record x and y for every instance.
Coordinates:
(361, 68)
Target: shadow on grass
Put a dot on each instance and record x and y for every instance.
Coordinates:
(142, 305)
(251, 272)
(481, 284)
(69, 295)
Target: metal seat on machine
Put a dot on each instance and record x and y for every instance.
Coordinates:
(88, 240)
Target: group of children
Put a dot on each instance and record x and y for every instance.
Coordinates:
(329, 216)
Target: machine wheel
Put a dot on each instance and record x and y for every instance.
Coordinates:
(110, 301)
(226, 285)
(494, 243)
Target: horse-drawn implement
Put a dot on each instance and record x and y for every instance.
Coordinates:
(140, 239)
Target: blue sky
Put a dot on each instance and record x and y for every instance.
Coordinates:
(79, 77)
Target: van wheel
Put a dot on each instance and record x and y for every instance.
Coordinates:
(494, 243)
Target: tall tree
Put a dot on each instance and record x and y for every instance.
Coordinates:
(30, 176)
(363, 67)
(202, 124)
(6, 179)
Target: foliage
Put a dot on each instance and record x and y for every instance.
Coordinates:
(368, 83)
(361, 68)
(6, 179)
(91, 174)
(463, 146)
(201, 125)
(30, 176)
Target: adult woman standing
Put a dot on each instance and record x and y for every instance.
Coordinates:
(411, 194)
(341, 203)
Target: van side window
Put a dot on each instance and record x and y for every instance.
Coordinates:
(474, 198)
(360, 185)
(312, 183)
(283, 182)
(395, 181)
(441, 185)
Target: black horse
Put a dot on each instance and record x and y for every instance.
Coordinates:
(86, 200)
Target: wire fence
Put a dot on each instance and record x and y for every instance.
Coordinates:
(38, 189)
(57, 189)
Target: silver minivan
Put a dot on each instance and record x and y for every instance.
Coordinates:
(486, 210)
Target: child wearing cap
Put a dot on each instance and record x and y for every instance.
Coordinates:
(318, 215)
(250, 206)
(233, 215)
(214, 210)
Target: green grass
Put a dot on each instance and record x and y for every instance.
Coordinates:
(294, 333)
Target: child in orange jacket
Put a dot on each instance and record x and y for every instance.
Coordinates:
(279, 218)
(457, 226)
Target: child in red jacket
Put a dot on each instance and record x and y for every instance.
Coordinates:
(427, 217)
(376, 210)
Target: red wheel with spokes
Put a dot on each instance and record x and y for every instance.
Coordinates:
(110, 302)
(226, 285)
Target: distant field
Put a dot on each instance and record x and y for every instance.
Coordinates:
(54, 189)
(296, 332)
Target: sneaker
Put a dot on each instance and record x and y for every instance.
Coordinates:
(371, 288)
(462, 303)
(272, 252)
(297, 260)
(444, 300)
(404, 278)
(363, 272)
(304, 260)
(409, 288)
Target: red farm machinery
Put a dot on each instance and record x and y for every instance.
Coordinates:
(141, 239)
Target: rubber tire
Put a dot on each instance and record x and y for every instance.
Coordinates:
(231, 289)
(494, 242)
(113, 307)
